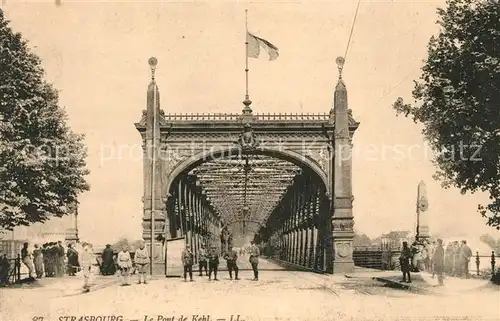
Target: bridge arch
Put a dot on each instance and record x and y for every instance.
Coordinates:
(286, 155)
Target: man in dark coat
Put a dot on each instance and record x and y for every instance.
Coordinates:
(73, 263)
(213, 263)
(438, 261)
(108, 264)
(405, 261)
(4, 269)
(231, 257)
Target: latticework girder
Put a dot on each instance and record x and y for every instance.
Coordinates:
(245, 187)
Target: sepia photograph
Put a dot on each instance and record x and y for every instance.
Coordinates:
(258, 160)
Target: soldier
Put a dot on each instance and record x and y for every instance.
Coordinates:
(213, 263)
(438, 261)
(405, 261)
(465, 255)
(231, 257)
(187, 262)
(202, 260)
(125, 264)
(86, 265)
(141, 259)
(254, 260)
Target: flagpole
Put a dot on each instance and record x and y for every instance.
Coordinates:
(247, 102)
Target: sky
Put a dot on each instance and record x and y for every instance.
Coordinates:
(96, 53)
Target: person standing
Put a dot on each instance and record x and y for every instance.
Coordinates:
(465, 255)
(73, 263)
(438, 261)
(108, 261)
(231, 258)
(38, 260)
(202, 260)
(27, 259)
(59, 259)
(141, 259)
(45, 255)
(86, 265)
(187, 262)
(4, 269)
(405, 261)
(457, 266)
(254, 260)
(213, 263)
(125, 264)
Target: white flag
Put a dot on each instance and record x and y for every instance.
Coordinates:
(254, 45)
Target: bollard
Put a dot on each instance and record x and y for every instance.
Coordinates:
(493, 263)
(477, 263)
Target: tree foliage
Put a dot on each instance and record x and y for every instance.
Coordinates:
(131, 245)
(457, 99)
(42, 162)
(491, 241)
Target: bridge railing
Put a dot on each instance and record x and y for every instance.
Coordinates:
(235, 117)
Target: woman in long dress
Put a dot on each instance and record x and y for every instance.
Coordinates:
(38, 260)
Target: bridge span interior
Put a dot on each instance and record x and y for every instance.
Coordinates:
(234, 199)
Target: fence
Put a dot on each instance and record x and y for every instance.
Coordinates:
(484, 263)
(387, 258)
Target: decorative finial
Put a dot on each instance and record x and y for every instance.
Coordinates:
(340, 65)
(152, 64)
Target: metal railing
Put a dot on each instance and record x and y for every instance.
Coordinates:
(197, 117)
(14, 273)
(388, 259)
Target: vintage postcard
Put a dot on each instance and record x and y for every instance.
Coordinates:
(249, 160)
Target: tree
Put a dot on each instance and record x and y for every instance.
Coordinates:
(132, 246)
(42, 162)
(457, 99)
(491, 241)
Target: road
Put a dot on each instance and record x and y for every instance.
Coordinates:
(279, 295)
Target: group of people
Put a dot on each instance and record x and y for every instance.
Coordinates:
(51, 260)
(432, 257)
(208, 261)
